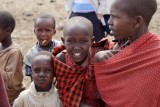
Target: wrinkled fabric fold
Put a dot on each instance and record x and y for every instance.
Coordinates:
(131, 77)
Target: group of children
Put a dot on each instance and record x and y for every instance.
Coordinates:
(88, 74)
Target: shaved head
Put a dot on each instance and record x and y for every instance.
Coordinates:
(144, 8)
(78, 22)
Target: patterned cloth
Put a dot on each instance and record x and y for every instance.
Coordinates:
(76, 83)
(3, 97)
(131, 78)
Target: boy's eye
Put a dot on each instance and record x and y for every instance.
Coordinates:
(36, 70)
(48, 30)
(114, 16)
(84, 41)
(70, 41)
(47, 70)
(39, 30)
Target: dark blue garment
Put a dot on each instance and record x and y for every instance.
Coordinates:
(106, 27)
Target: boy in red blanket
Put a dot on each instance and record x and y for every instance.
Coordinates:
(130, 78)
(74, 67)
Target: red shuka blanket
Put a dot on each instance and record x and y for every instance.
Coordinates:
(76, 83)
(131, 78)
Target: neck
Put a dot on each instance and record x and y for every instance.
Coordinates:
(6, 43)
(138, 34)
(39, 89)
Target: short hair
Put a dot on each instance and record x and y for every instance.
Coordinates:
(7, 20)
(47, 16)
(144, 8)
(43, 53)
(79, 22)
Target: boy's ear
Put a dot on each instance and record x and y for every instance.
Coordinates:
(54, 31)
(34, 31)
(8, 30)
(62, 38)
(138, 22)
(93, 39)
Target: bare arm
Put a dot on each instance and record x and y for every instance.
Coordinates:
(61, 57)
(103, 55)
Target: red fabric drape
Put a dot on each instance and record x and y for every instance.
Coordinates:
(131, 78)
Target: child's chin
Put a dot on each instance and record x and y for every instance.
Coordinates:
(43, 45)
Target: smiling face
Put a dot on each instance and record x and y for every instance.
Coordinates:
(78, 42)
(121, 25)
(42, 71)
(44, 30)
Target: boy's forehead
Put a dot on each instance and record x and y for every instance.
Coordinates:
(44, 20)
(121, 7)
(41, 58)
(78, 30)
(118, 5)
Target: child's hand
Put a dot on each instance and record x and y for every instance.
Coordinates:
(103, 55)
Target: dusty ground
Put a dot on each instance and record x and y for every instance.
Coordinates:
(26, 10)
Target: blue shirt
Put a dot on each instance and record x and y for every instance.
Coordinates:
(82, 6)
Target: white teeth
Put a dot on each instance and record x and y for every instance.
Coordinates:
(77, 54)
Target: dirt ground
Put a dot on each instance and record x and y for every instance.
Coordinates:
(26, 10)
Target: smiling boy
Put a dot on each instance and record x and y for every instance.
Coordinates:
(74, 67)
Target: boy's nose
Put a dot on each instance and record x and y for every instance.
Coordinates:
(77, 47)
(43, 33)
(41, 74)
(110, 21)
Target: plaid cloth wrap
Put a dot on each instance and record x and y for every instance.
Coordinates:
(72, 79)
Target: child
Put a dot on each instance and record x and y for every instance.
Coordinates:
(41, 92)
(44, 29)
(11, 58)
(131, 78)
(74, 68)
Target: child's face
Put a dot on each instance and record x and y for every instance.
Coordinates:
(44, 30)
(121, 25)
(42, 72)
(4, 33)
(77, 43)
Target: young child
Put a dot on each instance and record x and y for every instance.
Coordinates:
(74, 67)
(41, 92)
(44, 29)
(131, 78)
(11, 58)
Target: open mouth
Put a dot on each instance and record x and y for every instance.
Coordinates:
(44, 41)
(77, 55)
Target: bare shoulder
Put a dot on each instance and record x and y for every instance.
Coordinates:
(61, 57)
